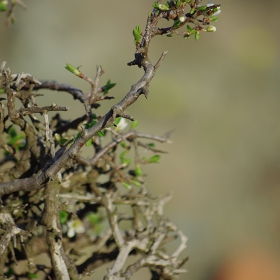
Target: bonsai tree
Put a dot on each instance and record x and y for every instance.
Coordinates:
(52, 198)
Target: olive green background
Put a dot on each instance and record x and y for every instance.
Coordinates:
(220, 94)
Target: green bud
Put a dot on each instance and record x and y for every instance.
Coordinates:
(73, 69)
(197, 35)
(137, 34)
(211, 28)
(57, 137)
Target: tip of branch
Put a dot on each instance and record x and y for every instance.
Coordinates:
(161, 59)
(167, 135)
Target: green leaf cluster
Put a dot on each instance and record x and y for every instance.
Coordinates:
(137, 34)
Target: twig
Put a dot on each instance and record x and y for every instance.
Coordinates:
(128, 136)
(161, 59)
(41, 110)
(49, 136)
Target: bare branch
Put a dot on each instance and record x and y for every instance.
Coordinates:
(41, 110)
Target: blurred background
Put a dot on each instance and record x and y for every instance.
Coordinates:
(220, 94)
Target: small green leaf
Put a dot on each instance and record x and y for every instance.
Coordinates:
(3, 7)
(189, 28)
(176, 23)
(126, 185)
(202, 8)
(123, 154)
(12, 132)
(124, 161)
(78, 136)
(108, 86)
(89, 142)
(87, 126)
(136, 183)
(178, 3)
(101, 133)
(93, 218)
(151, 145)
(154, 159)
(197, 35)
(63, 141)
(192, 11)
(216, 9)
(32, 276)
(63, 217)
(123, 144)
(134, 124)
(213, 19)
(117, 120)
(138, 171)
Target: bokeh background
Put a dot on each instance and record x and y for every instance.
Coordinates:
(220, 94)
